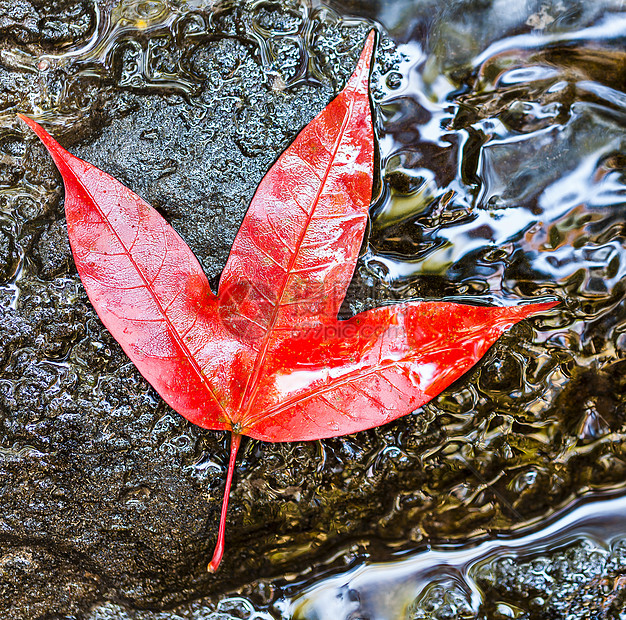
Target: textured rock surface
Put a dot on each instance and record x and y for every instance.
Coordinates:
(584, 580)
(580, 580)
(105, 488)
(115, 497)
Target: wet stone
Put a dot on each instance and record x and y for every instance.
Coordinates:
(29, 567)
(274, 18)
(65, 21)
(95, 465)
(113, 496)
(39, 21)
(289, 57)
(18, 19)
(581, 581)
(8, 257)
(13, 85)
(52, 251)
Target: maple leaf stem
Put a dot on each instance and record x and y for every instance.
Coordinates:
(235, 440)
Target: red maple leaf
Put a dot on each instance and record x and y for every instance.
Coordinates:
(267, 357)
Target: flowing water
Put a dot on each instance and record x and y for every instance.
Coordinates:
(578, 552)
(451, 579)
(502, 139)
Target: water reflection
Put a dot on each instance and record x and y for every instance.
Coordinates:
(513, 160)
(439, 580)
(503, 176)
(442, 582)
(502, 140)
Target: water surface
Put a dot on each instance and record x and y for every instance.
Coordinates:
(501, 134)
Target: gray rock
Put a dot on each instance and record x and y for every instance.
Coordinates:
(584, 580)
(115, 497)
(124, 492)
(39, 21)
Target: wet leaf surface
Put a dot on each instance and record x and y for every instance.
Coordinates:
(266, 357)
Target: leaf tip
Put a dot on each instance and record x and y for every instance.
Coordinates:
(57, 152)
(528, 310)
(514, 314)
(368, 49)
(360, 77)
(25, 119)
(48, 141)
